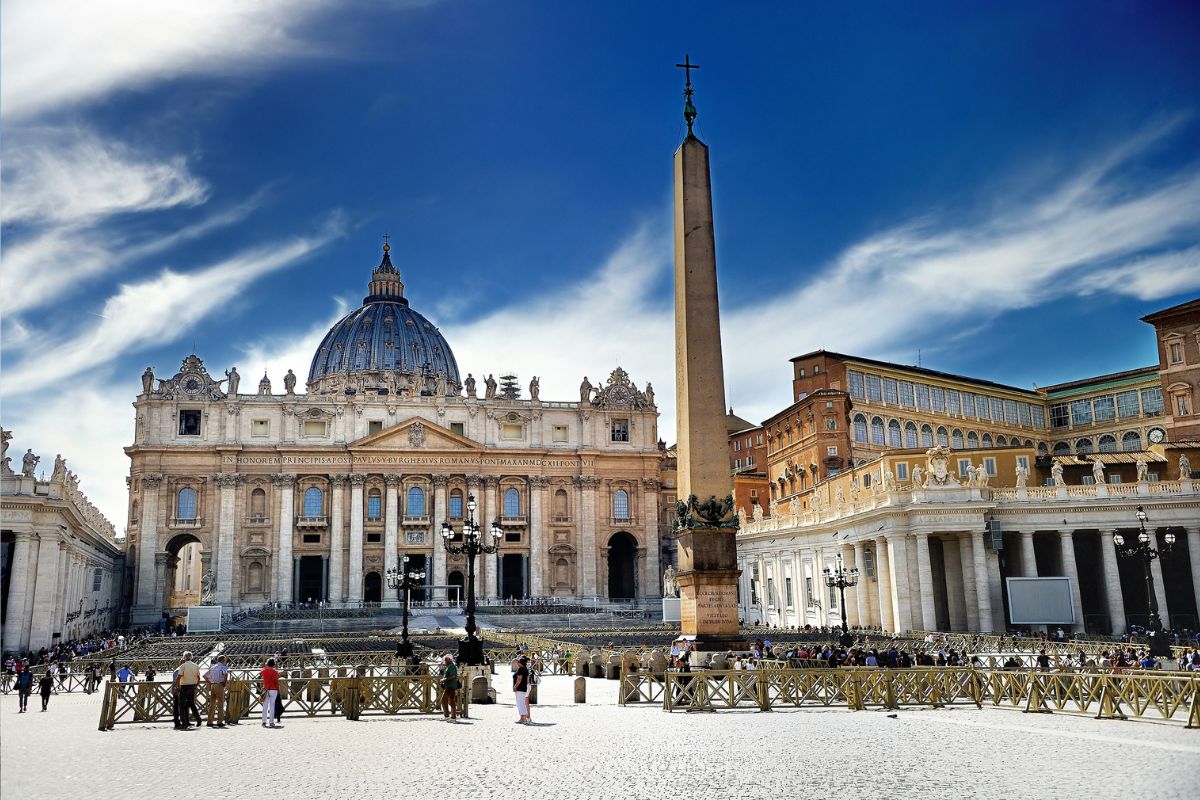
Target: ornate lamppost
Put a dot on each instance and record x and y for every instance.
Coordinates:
(841, 577)
(1143, 549)
(405, 579)
(473, 543)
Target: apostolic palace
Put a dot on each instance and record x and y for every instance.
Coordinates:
(314, 496)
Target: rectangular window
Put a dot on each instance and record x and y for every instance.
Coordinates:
(1025, 415)
(1182, 408)
(754, 492)
(770, 591)
(989, 466)
(620, 430)
(459, 428)
(937, 398)
(922, 396)
(311, 538)
(1059, 416)
(749, 461)
(1038, 415)
(1105, 408)
(1081, 412)
(1088, 480)
(964, 464)
(374, 507)
(456, 506)
(1176, 350)
(1152, 477)
(874, 388)
(981, 407)
(560, 434)
(314, 428)
(737, 463)
(891, 391)
(1152, 401)
(512, 431)
(1128, 405)
(906, 394)
(831, 450)
(374, 426)
(808, 591)
(953, 402)
(1023, 461)
(374, 538)
(97, 579)
(902, 471)
(260, 428)
(1114, 478)
(858, 389)
(1010, 412)
(869, 561)
(997, 408)
(968, 404)
(759, 440)
(787, 588)
(189, 422)
(737, 445)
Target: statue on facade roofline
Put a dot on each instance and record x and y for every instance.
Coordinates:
(981, 477)
(148, 381)
(916, 476)
(60, 469)
(489, 383)
(5, 459)
(585, 391)
(29, 463)
(289, 382)
(535, 388)
(469, 385)
(234, 380)
(440, 385)
(758, 512)
(649, 394)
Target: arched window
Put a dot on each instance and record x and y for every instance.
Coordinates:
(415, 505)
(621, 504)
(926, 436)
(987, 440)
(1028, 442)
(943, 438)
(258, 505)
(374, 505)
(956, 439)
(876, 430)
(1131, 442)
(1001, 441)
(562, 572)
(456, 504)
(972, 440)
(314, 502)
(185, 503)
(254, 577)
(560, 504)
(1041, 449)
(512, 502)
(860, 428)
(1062, 449)
(910, 434)
(1108, 444)
(1083, 447)
(895, 439)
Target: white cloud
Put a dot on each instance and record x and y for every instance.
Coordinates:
(154, 312)
(278, 354)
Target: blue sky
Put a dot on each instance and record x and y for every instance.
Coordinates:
(1005, 187)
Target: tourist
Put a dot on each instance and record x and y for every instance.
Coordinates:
(124, 674)
(217, 677)
(24, 686)
(450, 685)
(93, 678)
(270, 691)
(520, 690)
(189, 682)
(176, 716)
(46, 685)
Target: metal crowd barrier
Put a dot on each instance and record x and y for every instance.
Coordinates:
(1173, 697)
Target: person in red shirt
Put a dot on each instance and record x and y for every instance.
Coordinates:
(270, 684)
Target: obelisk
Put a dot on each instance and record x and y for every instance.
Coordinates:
(705, 523)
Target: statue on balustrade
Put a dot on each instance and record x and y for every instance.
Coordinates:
(1143, 470)
(1185, 468)
(1022, 476)
(1056, 473)
(490, 387)
(1098, 471)
(29, 463)
(289, 382)
(469, 385)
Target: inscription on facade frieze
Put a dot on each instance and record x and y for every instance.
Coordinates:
(398, 460)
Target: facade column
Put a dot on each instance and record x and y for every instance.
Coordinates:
(883, 569)
(295, 582)
(799, 600)
(474, 484)
(1160, 587)
(491, 491)
(437, 558)
(982, 581)
(916, 586)
(925, 573)
(956, 607)
(147, 546)
(966, 553)
(537, 546)
(862, 592)
(161, 563)
(324, 593)
(852, 616)
(653, 583)
(354, 580)
(1113, 595)
(1028, 555)
(64, 584)
(337, 515)
(45, 591)
(1193, 540)
(227, 484)
(1066, 544)
(285, 570)
(587, 534)
(901, 598)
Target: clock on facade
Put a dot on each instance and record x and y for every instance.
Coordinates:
(1157, 435)
(618, 395)
(192, 384)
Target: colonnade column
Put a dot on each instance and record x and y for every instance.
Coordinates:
(982, 582)
(1028, 555)
(966, 555)
(883, 568)
(1066, 544)
(916, 586)
(956, 604)
(337, 510)
(1113, 596)
(587, 534)
(437, 558)
(537, 547)
(354, 579)
(901, 599)
(57, 613)
(650, 487)
(391, 534)
(45, 590)
(285, 568)
(799, 601)
(147, 545)
(862, 591)
(1193, 539)
(227, 484)
(851, 560)
(925, 573)
(492, 492)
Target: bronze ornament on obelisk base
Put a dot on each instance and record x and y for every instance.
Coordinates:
(705, 522)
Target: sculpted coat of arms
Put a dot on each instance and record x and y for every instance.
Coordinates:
(416, 434)
(937, 472)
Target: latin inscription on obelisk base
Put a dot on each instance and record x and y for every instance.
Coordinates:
(705, 523)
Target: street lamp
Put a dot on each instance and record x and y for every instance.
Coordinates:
(403, 578)
(1143, 549)
(841, 577)
(474, 542)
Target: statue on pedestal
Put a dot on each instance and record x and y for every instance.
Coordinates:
(916, 476)
(148, 381)
(1098, 471)
(234, 379)
(289, 382)
(1185, 468)
(5, 458)
(535, 387)
(1056, 473)
(649, 394)
(1143, 470)
(489, 392)
(585, 391)
(469, 385)
(981, 477)
(757, 511)
(60, 469)
(670, 584)
(29, 463)
(1022, 476)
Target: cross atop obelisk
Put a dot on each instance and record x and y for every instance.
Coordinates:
(705, 524)
(689, 110)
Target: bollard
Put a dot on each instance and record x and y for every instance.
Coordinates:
(479, 689)
(581, 690)
(581, 666)
(532, 696)
(612, 672)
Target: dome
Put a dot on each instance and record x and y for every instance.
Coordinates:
(385, 346)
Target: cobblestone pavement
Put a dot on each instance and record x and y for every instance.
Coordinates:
(599, 750)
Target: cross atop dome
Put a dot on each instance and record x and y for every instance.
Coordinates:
(385, 279)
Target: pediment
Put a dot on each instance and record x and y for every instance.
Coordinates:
(416, 433)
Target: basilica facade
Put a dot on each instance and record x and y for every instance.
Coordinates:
(314, 495)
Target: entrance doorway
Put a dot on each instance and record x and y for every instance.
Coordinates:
(457, 592)
(512, 576)
(311, 579)
(372, 588)
(416, 563)
(622, 555)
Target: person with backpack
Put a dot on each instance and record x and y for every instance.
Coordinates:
(46, 686)
(450, 686)
(24, 686)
